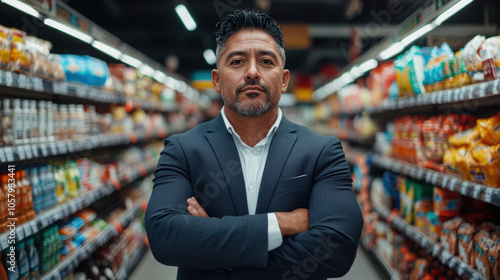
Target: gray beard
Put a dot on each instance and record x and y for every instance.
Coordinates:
(251, 110)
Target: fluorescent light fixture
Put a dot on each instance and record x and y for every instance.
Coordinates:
(182, 86)
(355, 72)
(131, 61)
(391, 51)
(346, 78)
(451, 11)
(22, 7)
(185, 16)
(368, 65)
(160, 76)
(147, 70)
(107, 49)
(210, 56)
(417, 34)
(171, 83)
(68, 30)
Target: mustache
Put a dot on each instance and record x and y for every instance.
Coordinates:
(254, 82)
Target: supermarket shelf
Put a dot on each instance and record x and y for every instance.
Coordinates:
(481, 91)
(22, 86)
(127, 268)
(67, 265)
(382, 261)
(446, 181)
(446, 258)
(352, 154)
(43, 150)
(59, 212)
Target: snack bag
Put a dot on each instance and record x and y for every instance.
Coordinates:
(450, 161)
(472, 59)
(465, 138)
(446, 203)
(482, 246)
(449, 235)
(19, 59)
(416, 70)
(4, 48)
(489, 129)
(466, 243)
(494, 257)
(487, 160)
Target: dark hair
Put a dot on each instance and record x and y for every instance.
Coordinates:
(251, 20)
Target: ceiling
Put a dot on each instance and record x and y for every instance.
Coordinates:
(153, 27)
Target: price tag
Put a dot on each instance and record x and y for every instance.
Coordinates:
(482, 89)
(61, 147)
(70, 146)
(37, 83)
(490, 88)
(440, 97)
(53, 148)
(464, 187)
(477, 191)
(444, 182)
(435, 250)
(461, 269)
(9, 78)
(27, 150)
(453, 184)
(20, 153)
(445, 257)
(34, 148)
(59, 214)
(24, 82)
(34, 227)
(2, 156)
(73, 207)
(488, 194)
(435, 177)
(43, 150)
(496, 87)
(452, 263)
(44, 222)
(20, 234)
(27, 230)
(81, 91)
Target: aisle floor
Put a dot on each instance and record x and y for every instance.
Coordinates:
(149, 268)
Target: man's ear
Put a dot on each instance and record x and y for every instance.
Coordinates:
(286, 79)
(216, 80)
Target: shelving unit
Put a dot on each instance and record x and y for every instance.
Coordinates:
(446, 181)
(113, 229)
(446, 258)
(61, 211)
(127, 268)
(382, 261)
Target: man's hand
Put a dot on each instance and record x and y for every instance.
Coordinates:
(195, 209)
(293, 222)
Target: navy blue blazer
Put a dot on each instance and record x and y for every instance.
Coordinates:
(303, 170)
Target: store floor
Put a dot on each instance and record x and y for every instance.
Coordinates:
(149, 268)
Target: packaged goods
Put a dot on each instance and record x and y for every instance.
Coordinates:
(466, 243)
(446, 203)
(410, 72)
(465, 138)
(494, 257)
(4, 48)
(482, 246)
(449, 234)
(489, 129)
(472, 59)
(488, 160)
(19, 57)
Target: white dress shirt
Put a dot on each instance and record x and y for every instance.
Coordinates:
(253, 160)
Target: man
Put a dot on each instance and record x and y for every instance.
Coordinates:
(250, 195)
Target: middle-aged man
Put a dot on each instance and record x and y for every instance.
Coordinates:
(251, 195)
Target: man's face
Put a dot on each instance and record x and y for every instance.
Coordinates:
(250, 77)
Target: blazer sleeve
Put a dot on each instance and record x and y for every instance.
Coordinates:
(179, 239)
(329, 247)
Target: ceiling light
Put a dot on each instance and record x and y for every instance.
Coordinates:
(68, 30)
(417, 34)
(147, 70)
(171, 83)
(185, 16)
(160, 76)
(210, 56)
(131, 61)
(107, 49)
(451, 11)
(22, 7)
(368, 65)
(391, 51)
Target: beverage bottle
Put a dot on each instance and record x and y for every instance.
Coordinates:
(57, 244)
(19, 211)
(22, 261)
(17, 122)
(42, 121)
(35, 131)
(36, 189)
(6, 124)
(50, 122)
(51, 186)
(27, 133)
(3, 273)
(45, 250)
(28, 197)
(34, 260)
(3, 201)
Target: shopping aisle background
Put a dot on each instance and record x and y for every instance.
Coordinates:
(149, 268)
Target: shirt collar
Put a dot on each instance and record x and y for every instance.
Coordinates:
(230, 128)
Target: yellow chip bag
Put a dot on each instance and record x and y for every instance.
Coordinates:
(488, 162)
(489, 129)
(465, 138)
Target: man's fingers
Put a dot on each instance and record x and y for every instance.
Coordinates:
(195, 209)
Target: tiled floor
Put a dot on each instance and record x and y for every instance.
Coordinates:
(149, 268)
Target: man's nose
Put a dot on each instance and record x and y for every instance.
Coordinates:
(252, 72)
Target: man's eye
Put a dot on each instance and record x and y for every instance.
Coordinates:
(267, 61)
(236, 61)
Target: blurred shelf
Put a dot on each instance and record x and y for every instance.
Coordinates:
(127, 268)
(382, 261)
(14, 85)
(433, 248)
(56, 213)
(67, 265)
(443, 180)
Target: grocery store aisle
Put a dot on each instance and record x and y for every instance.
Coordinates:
(149, 268)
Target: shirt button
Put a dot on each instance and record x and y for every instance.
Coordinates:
(251, 188)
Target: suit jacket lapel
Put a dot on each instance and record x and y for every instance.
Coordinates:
(280, 148)
(223, 145)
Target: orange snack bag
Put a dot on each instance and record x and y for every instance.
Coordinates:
(466, 243)
(446, 203)
(489, 129)
(19, 60)
(482, 246)
(449, 235)
(4, 48)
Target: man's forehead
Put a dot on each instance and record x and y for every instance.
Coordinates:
(250, 38)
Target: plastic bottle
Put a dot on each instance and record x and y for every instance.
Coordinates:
(34, 260)
(27, 133)
(22, 261)
(56, 125)
(80, 116)
(63, 122)
(43, 187)
(3, 201)
(42, 121)
(45, 250)
(72, 121)
(18, 122)
(28, 197)
(57, 245)
(36, 189)
(6, 124)
(35, 131)
(50, 122)
(51, 186)
(20, 199)
(3, 273)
